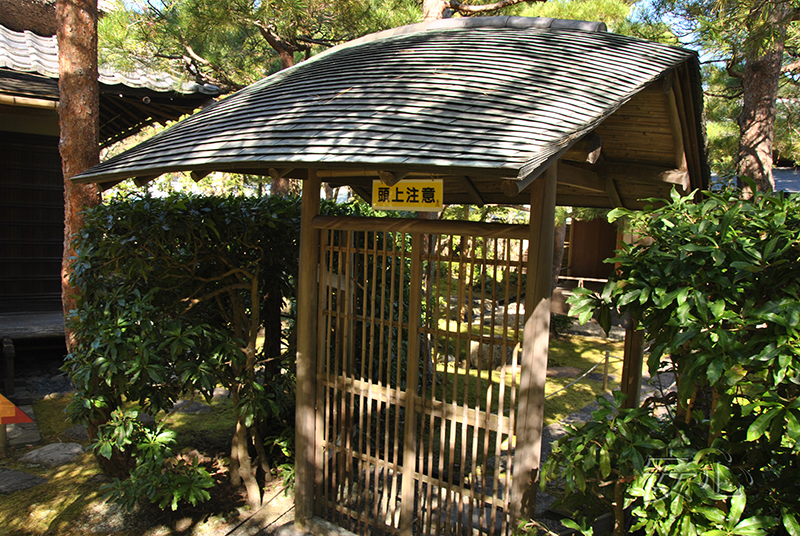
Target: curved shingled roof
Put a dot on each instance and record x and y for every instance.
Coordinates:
(491, 97)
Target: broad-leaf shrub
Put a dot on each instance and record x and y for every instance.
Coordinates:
(174, 293)
(717, 289)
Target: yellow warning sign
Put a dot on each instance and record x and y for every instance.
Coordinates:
(420, 195)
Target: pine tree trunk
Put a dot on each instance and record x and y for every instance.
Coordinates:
(79, 118)
(434, 9)
(757, 119)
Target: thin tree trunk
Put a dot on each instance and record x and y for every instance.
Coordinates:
(245, 467)
(79, 118)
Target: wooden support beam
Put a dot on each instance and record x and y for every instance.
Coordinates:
(306, 353)
(613, 194)
(587, 149)
(693, 144)
(413, 225)
(641, 173)
(29, 102)
(473, 192)
(535, 346)
(676, 126)
(580, 178)
(365, 194)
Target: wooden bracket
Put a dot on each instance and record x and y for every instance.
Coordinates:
(390, 179)
(276, 174)
(197, 176)
(471, 190)
(142, 181)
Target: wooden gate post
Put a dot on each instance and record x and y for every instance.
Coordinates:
(306, 354)
(535, 345)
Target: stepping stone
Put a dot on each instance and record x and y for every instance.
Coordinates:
(11, 481)
(598, 377)
(563, 372)
(221, 392)
(26, 433)
(54, 454)
(193, 408)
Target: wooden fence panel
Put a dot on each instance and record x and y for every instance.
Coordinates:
(417, 376)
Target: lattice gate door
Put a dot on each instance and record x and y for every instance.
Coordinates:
(417, 381)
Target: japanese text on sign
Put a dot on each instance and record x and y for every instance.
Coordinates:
(419, 195)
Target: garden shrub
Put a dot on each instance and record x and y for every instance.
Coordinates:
(174, 292)
(718, 293)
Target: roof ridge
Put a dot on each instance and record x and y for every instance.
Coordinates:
(505, 21)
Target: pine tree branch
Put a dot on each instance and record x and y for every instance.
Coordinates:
(483, 8)
(221, 79)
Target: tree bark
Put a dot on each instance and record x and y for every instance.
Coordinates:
(757, 119)
(79, 118)
(434, 9)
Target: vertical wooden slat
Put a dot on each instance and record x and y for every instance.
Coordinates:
(382, 467)
(398, 284)
(535, 344)
(306, 353)
(412, 367)
(368, 362)
(322, 483)
(339, 370)
(447, 450)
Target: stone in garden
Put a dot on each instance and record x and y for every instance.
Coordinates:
(193, 408)
(598, 377)
(54, 454)
(221, 392)
(563, 372)
(11, 481)
(77, 432)
(25, 433)
(146, 418)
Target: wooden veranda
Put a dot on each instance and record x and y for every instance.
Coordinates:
(420, 401)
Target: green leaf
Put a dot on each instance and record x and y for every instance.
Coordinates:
(738, 502)
(605, 462)
(790, 522)
(754, 526)
(761, 424)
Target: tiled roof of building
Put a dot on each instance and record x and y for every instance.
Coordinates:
(128, 101)
(27, 52)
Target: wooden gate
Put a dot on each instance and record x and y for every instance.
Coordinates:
(417, 378)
